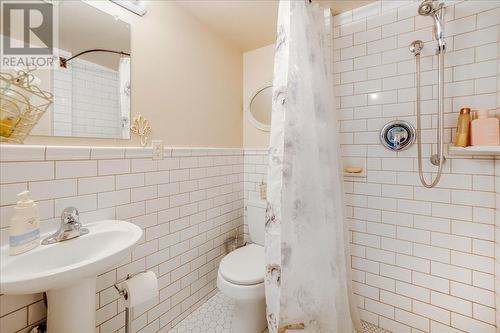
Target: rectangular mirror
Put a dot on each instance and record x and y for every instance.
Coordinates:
(91, 79)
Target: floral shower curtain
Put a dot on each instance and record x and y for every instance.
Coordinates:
(307, 257)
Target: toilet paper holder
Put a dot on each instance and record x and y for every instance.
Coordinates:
(123, 293)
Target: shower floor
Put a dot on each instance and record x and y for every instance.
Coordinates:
(215, 317)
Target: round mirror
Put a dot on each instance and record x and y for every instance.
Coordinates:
(259, 109)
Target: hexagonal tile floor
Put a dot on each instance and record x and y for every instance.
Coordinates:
(215, 317)
(370, 328)
(212, 317)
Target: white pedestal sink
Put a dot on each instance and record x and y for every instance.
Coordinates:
(67, 272)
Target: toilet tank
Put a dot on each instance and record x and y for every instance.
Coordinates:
(256, 220)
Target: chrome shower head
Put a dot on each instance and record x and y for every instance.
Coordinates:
(426, 8)
(435, 9)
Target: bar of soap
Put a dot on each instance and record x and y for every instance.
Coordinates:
(353, 169)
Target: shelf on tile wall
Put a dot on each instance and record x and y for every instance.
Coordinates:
(474, 151)
(361, 174)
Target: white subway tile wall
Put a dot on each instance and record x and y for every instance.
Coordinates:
(423, 260)
(86, 100)
(255, 173)
(188, 204)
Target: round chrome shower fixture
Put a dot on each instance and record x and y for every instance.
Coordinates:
(397, 135)
(430, 7)
(416, 47)
(435, 160)
(426, 7)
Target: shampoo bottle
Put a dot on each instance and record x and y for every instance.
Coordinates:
(484, 130)
(462, 136)
(24, 232)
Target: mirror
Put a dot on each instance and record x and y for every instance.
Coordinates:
(91, 79)
(260, 108)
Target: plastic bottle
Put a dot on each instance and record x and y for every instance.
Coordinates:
(24, 232)
(484, 130)
(463, 126)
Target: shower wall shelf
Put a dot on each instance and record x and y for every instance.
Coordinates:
(361, 174)
(474, 151)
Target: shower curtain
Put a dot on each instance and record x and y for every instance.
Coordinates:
(307, 275)
(124, 92)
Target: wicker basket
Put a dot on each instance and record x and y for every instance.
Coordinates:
(22, 104)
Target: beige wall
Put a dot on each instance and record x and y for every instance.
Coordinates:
(258, 67)
(186, 80)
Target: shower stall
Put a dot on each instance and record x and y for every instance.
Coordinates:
(416, 250)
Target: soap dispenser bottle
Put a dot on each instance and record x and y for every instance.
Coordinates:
(484, 130)
(24, 232)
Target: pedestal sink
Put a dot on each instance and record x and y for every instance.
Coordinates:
(67, 271)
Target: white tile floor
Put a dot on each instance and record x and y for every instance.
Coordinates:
(215, 317)
(212, 317)
(370, 328)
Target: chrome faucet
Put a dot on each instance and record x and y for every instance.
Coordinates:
(70, 227)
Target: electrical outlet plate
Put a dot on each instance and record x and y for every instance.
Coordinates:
(157, 149)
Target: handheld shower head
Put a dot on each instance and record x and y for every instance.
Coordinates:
(426, 8)
(435, 9)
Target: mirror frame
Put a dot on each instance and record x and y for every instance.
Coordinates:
(249, 115)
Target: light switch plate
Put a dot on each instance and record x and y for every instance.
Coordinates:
(157, 149)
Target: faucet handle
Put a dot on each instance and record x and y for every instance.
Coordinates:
(70, 227)
(70, 215)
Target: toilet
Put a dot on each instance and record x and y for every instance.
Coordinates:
(241, 275)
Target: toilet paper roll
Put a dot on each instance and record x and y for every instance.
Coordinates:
(140, 288)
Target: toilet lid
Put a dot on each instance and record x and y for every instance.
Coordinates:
(244, 266)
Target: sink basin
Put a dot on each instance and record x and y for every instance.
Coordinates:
(67, 272)
(61, 264)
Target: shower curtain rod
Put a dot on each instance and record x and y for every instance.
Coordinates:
(63, 61)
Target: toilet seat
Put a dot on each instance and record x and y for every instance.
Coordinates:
(240, 292)
(244, 266)
(241, 273)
